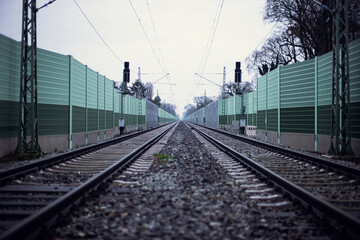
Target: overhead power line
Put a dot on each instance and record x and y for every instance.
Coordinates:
(102, 39)
(155, 33)
(158, 44)
(209, 43)
(147, 37)
(264, 38)
(45, 5)
(212, 33)
(161, 63)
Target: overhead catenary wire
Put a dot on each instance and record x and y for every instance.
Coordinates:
(156, 36)
(147, 37)
(99, 35)
(263, 39)
(158, 44)
(209, 43)
(45, 5)
(217, 17)
(210, 34)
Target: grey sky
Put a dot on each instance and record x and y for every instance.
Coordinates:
(182, 26)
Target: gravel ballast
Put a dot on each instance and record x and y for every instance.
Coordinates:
(185, 194)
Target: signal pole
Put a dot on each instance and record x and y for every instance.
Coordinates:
(223, 92)
(28, 103)
(126, 79)
(238, 73)
(340, 106)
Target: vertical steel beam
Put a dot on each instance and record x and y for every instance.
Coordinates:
(98, 106)
(266, 107)
(340, 107)
(113, 112)
(223, 94)
(279, 106)
(104, 107)
(28, 104)
(316, 105)
(86, 105)
(70, 100)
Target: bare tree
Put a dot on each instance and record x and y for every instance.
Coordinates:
(231, 89)
(202, 101)
(149, 91)
(280, 49)
(189, 109)
(170, 108)
(305, 32)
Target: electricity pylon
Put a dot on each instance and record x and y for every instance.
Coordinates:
(28, 104)
(340, 106)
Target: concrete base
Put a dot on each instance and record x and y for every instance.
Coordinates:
(109, 134)
(225, 127)
(304, 141)
(235, 127)
(298, 141)
(323, 143)
(261, 135)
(54, 143)
(355, 145)
(8, 146)
(78, 140)
(92, 137)
(117, 131)
(133, 128)
(101, 135)
(292, 140)
(272, 137)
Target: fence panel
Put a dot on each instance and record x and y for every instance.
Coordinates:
(10, 85)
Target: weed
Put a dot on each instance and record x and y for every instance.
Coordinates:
(162, 158)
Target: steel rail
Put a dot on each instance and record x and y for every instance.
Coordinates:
(355, 172)
(348, 221)
(34, 222)
(13, 172)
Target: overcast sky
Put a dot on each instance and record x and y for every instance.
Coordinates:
(183, 28)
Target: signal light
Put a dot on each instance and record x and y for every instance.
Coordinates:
(238, 72)
(126, 75)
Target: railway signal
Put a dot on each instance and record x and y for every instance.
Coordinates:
(242, 121)
(123, 87)
(238, 72)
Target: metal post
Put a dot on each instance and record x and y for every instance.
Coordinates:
(316, 106)
(223, 93)
(28, 111)
(279, 106)
(266, 107)
(340, 106)
(139, 74)
(86, 105)
(70, 101)
(121, 121)
(242, 121)
(126, 79)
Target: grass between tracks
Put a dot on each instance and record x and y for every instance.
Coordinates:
(163, 158)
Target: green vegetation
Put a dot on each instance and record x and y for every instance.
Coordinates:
(163, 158)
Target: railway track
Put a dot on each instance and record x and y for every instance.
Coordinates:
(35, 194)
(330, 189)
